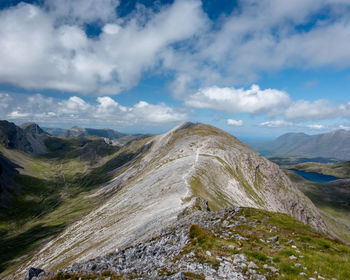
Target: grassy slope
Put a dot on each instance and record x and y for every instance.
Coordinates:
(328, 257)
(341, 169)
(313, 252)
(282, 159)
(54, 192)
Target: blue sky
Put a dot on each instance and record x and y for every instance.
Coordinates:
(255, 68)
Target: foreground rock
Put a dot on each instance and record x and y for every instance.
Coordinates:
(232, 243)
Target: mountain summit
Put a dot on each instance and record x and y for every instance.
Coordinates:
(191, 166)
(28, 138)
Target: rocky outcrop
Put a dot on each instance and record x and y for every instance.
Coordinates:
(32, 128)
(191, 161)
(227, 244)
(29, 139)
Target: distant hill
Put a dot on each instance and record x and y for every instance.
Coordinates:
(54, 131)
(76, 131)
(335, 144)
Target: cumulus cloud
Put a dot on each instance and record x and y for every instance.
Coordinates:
(264, 35)
(235, 122)
(315, 126)
(239, 100)
(46, 47)
(82, 11)
(277, 123)
(76, 110)
(286, 124)
(346, 127)
(321, 109)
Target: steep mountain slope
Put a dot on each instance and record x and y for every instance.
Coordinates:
(191, 161)
(335, 144)
(7, 184)
(43, 194)
(29, 139)
(333, 198)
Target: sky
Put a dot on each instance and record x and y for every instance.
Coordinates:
(255, 68)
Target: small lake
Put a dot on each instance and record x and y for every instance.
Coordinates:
(315, 177)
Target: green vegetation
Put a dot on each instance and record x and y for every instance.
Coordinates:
(332, 199)
(296, 159)
(340, 169)
(272, 240)
(54, 191)
(313, 252)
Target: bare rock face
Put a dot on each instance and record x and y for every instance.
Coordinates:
(191, 162)
(33, 128)
(28, 138)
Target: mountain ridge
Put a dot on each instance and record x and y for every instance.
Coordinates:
(168, 178)
(333, 145)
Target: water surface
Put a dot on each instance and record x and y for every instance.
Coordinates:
(315, 177)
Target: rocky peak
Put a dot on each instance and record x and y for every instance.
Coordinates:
(31, 127)
(12, 136)
(25, 139)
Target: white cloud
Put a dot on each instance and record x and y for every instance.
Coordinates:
(346, 127)
(277, 123)
(264, 36)
(232, 100)
(76, 110)
(235, 122)
(17, 115)
(291, 125)
(47, 47)
(321, 109)
(315, 126)
(82, 11)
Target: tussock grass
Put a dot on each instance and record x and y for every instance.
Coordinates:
(314, 252)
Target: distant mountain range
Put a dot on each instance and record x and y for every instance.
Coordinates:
(76, 131)
(335, 145)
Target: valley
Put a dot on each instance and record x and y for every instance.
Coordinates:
(86, 197)
(329, 189)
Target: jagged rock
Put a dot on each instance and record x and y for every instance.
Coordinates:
(252, 265)
(30, 139)
(33, 273)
